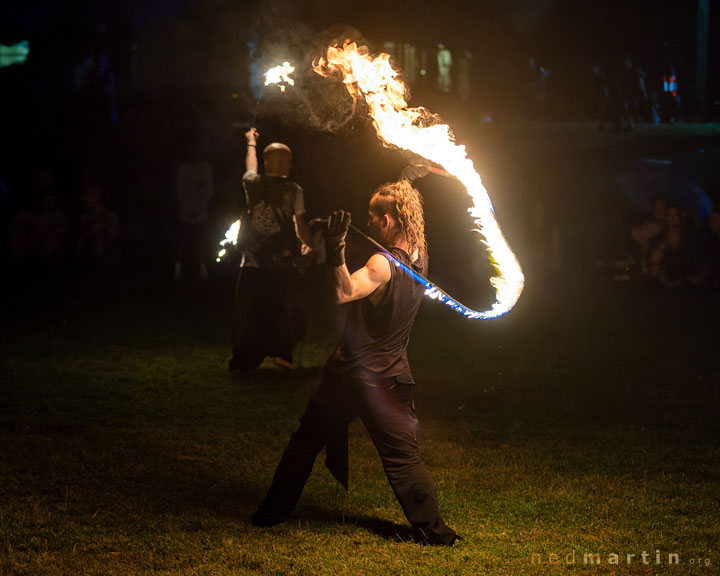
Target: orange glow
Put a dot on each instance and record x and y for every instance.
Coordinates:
(417, 130)
(280, 75)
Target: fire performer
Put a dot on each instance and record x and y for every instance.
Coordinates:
(368, 375)
(266, 322)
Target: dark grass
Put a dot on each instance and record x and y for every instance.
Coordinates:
(586, 421)
(129, 448)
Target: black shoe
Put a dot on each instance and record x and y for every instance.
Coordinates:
(244, 364)
(263, 520)
(452, 541)
(446, 538)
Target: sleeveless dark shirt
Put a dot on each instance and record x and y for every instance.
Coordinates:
(374, 343)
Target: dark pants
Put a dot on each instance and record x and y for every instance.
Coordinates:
(387, 411)
(268, 319)
(190, 244)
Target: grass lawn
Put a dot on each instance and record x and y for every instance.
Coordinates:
(584, 422)
(577, 434)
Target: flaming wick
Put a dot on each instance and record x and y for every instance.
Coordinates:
(279, 75)
(231, 237)
(375, 80)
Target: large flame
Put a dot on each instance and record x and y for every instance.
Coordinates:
(280, 75)
(375, 80)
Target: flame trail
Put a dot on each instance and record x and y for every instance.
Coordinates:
(231, 237)
(376, 81)
(280, 75)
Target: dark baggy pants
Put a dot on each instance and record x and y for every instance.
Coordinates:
(190, 244)
(267, 318)
(387, 411)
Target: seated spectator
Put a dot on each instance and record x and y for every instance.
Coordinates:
(39, 234)
(710, 266)
(649, 230)
(98, 231)
(671, 258)
(194, 191)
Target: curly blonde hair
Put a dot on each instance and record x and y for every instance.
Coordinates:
(404, 203)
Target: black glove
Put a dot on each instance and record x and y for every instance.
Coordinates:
(337, 227)
(414, 171)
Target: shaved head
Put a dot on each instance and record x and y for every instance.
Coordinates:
(278, 159)
(277, 147)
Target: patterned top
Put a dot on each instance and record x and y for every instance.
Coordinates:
(269, 227)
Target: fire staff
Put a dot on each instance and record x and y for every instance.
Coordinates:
(368, 375)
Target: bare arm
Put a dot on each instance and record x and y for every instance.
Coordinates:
(251, 162)
(302, 229)
(363, 282)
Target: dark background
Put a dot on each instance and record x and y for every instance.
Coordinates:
(181, 73)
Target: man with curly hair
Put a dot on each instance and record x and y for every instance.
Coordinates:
(368, 375)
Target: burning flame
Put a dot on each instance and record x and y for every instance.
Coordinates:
(231, 237)
(280, 75)
(375, 80)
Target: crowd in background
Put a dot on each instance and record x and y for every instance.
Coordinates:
(675, 248)
(43, 235)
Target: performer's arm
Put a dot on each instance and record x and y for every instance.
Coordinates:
(251, 162)
(302, 229)
(363, 282)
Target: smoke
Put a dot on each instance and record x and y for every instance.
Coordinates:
(314, 102)
(256, 71)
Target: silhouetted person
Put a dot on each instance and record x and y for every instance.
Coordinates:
(194, 191)
(639, 102)
(710, 267)
(670, 100)
(98, 232)
(649, 230)
(606, 106)
(671, 257)
(444, 67)
(40, 232)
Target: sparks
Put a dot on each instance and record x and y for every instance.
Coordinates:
(280, 75)
(231, 237)
(375, 80)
